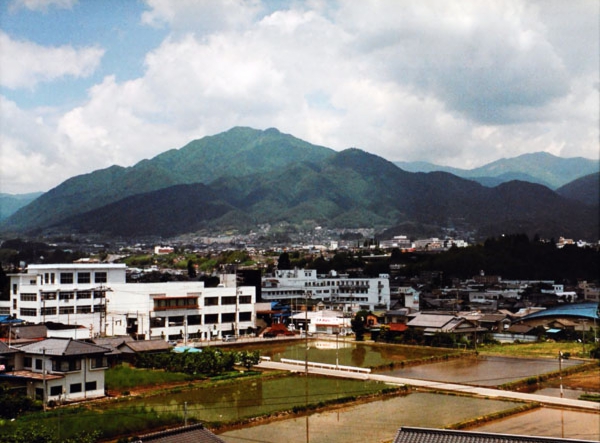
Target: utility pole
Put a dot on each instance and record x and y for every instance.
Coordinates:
(44, 396)
(560, 357)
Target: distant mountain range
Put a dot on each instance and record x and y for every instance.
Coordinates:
(540, 167)
(11, 203)
(245, 177)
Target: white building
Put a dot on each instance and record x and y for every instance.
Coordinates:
(339, 290)
(96, 296)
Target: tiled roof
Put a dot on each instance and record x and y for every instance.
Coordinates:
(146, 345)
(62, 346)
(424, 435)
(185, 434)
(431, 320)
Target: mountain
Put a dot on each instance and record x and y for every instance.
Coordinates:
(237, 152)
(11, 203)
(541, 167)
(244, 177)
(585, 189)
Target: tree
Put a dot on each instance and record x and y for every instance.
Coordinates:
(284, 261)
(191, 269)
(358, 324)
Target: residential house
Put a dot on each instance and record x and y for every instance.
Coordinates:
(195, 433)
(58, 369)
(433, 323)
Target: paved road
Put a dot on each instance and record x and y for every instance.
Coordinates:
(440, 386)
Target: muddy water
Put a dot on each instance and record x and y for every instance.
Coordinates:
(547, 422)
(482, 371)
(248, 398)
(373, 422)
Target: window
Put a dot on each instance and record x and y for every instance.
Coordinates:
(228, 318)
(56, 390)
(15, 288)
(27, 361)
(66, 278)
(75, 388)
(245, 299)
(66, 365)
(90, 386)
(100, 277)
(83, 277)
(28, 297)
(228, 300)
(48, 295)
(211, 319)
(38, 364)
(48, 311)
(86, 309)
(27, 312)
(66, 310)
(194, 320)
(84, 294)
(211, 301)
(245, 316)
(46, 278)
(98, 362)
(66, 295)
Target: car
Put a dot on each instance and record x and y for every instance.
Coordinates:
(229, 338)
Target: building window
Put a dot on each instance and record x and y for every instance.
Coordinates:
(245, 316)
(98, 362)
(245, 299)
(90, 386)
(15, 288)
(66, 295)
(48, 296)
(66, 278)
(211, 301)
(27, 312)
(194, 320)
(38, 364)
(56, 390)
(83, 277)
(86, 309)
(228, 318)
(66, 310)
(66, 365)
(211, 319)
(75, 388)
(100, 277)
(84, 294)
(48, 311)
(28, 297)
(228, 300)
(27, 361)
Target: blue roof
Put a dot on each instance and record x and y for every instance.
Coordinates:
(579, 310)
(189, 349)
(8, 319)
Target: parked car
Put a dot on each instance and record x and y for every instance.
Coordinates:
(229, 338)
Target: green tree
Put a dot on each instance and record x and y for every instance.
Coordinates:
(284, 261)
(359, 325)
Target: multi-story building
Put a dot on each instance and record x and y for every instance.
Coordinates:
(98, 297)
(338, 290)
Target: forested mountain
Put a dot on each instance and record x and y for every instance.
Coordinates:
(585, 189)
(540, 167)
(11, 203)
(244, 177)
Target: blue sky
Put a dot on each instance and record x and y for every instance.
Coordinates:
(91, 83)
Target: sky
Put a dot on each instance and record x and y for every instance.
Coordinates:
(86, 84)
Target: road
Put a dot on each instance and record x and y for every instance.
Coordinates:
(440, 386)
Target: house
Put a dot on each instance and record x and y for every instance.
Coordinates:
(195, 433)
(428, 435)
(434, 323)
(58, 369)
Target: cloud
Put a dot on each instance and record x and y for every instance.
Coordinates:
(455, 83)
(25, 64)
(42, 5)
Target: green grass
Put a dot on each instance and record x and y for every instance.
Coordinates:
(535, 350)
(122, 378)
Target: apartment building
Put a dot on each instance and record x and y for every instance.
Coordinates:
(338, 290)
(97, 296)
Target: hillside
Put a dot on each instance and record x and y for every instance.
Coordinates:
(237, 152)
(541, 168)
(585, 189)
(11, 203)
(349, 189)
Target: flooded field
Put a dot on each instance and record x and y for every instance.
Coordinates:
(548, 422)
(373, 422)
(249, 398)
(348, 353)
(482, 371)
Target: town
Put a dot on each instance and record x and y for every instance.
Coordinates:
(63, 325)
